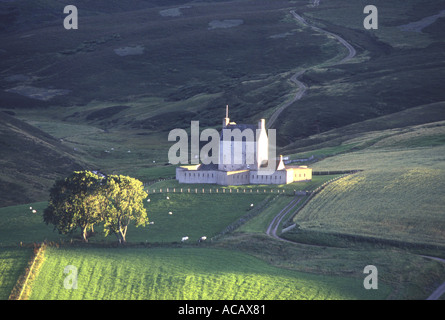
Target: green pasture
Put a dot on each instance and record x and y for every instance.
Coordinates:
(184, 273)
(213, 211)
(193, 215)
(13, 262)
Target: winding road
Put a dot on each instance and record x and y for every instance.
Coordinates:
(441, 289)
(302, 88)
(273, 226)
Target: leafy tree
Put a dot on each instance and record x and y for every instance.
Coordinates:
(85, 199)
(125, 197)
(76, 202)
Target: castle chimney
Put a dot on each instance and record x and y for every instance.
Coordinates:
(262, 124)
(281, 164)
(226, 120)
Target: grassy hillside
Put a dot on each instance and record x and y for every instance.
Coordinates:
(187, 273)
(342, 139)
(399, 195)
(30, 161)
(394, 69)
(294, 270)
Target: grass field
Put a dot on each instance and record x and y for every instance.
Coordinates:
(213, 211)
(185, 273)
(399, 195)
(237, 262)
(12, 264)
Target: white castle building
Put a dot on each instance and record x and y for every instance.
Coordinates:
(244, 160)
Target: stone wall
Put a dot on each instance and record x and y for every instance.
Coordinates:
(241, 177)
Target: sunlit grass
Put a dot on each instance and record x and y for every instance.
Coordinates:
(399, 196)
(186, 273)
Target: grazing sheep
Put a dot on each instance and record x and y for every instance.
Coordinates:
(34, 211)
(184, 239)
(148, 200)
(202, 238)
(170, 212)
(168, 198)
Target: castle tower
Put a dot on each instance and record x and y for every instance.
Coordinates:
(262, 147)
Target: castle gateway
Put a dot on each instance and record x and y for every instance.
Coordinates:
(243, 158)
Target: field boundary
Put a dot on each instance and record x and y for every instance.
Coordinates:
(311, 195)
(21, 289)
(243, 219)
(226, 191)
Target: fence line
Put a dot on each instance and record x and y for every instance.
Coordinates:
(22, 283)
(203, 190)
(225, 191)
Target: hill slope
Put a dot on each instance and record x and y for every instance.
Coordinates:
(399, 195)
(30, 161)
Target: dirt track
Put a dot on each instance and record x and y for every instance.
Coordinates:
(302, 88)
(273, 226)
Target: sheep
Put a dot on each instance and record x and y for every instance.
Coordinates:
(148, 200)
(168, 198)
(202, 238)
(170, 213)
(184, 239)
(34, 211)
